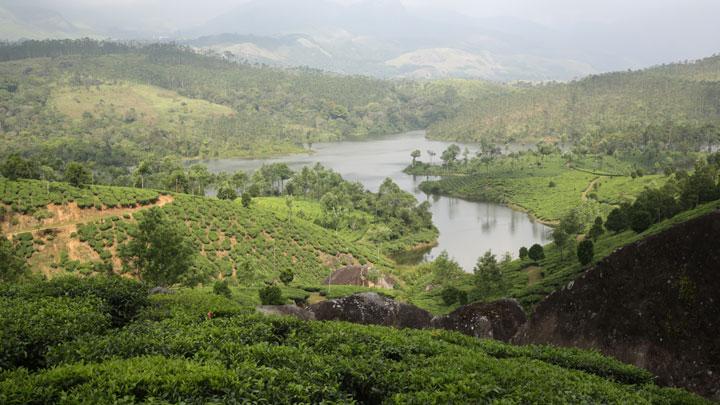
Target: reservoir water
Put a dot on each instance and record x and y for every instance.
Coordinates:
(467, 229)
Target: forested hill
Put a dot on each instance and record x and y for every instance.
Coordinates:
(113, 104)
(667, 104)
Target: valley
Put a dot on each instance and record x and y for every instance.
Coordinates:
(184, 226)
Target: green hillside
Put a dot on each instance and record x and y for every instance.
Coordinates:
(114, 104)
(62, 229)
(667, 105)
(102, 340)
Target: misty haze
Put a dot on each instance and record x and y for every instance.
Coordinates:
(359, 201)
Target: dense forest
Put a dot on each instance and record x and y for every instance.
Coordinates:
(675, 107)
(112, 104)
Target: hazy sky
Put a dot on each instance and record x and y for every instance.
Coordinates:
(543, 11)
(625, 33)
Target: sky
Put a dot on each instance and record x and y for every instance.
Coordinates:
(630, 33)
(548, 12)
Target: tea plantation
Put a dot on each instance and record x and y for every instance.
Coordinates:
(105, 341)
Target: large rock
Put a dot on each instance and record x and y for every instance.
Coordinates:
(286, 310)
(372, 309)
(654, 303)
(498, 320)
(359, 276)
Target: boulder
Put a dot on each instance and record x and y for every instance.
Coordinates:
(498, 320)
(359, 276)
(286, 310)
(653, 303)
(372, 309)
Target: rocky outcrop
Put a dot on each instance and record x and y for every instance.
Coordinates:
(654, 303)
(498, 320)
(494, 320)
(359, 276)
(286, 310)
(372, 309)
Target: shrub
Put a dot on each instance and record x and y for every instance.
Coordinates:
(536, 252)
(271, 295)
(523, 253)
(30, 326)
(287, 276)
(222, 288)
(585, 252)
(640, 220)
(123, 297)
(617, 220)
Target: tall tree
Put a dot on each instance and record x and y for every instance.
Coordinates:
(160, 253)
(77, 174)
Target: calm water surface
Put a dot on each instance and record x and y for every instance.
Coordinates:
(467, 229)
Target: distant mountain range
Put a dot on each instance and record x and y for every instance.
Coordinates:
(370, 37)
(36, 23)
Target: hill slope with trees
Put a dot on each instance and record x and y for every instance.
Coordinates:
(674, 106)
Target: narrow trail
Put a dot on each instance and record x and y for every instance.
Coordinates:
(70, 215)
(584, 195)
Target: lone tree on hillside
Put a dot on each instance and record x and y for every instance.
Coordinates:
(287, 276)
(536, 252)
(488, 277)
(617, 220)
(160, 252)
(271, 295)
(246, 199)
(561, 239)
(415, 154)
(523, 253)
(77, 175)
(585, 252)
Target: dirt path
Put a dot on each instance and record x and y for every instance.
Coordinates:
(584, 195)
(66, 217)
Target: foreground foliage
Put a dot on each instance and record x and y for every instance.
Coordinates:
(171, 356)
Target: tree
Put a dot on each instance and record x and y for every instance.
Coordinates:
(226, 193)
(77, 175)
(246, 200)
(15, 167)
(561, 239)
(12, 267)
(640, 220)
(415, 154)
(617, 220)
(200, 177)
(488, 277)
(523, 253)
(597, 229)
(585, 252)
(239, 179)
(222, 288)
(451, 295)
(271, 295)
(142, 170)
(449, 155)
(287, 276)
(160, 253)
(536, 252)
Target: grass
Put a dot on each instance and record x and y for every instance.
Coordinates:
(151, 105)
(545, 186)
(555, 272)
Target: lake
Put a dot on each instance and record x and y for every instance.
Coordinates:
(467, 229)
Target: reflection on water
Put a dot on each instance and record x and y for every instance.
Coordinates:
(467, 229)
